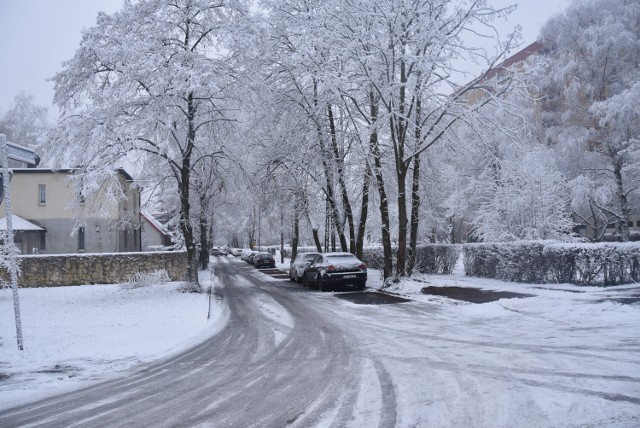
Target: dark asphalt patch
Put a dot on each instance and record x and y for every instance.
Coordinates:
(70, 371)
(626, 300)
(473, 295)
(371, 298)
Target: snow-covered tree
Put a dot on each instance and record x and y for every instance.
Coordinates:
(25, 123)
(592, 91)
(504, 183)
(305, 76)
(398, 57)
(150, 78)
(528, 200)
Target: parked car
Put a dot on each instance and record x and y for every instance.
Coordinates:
(236, 252)
(262, 260)
(299, 264)
(251, 257)
(332, 270)
(245, 255)
(217, 251)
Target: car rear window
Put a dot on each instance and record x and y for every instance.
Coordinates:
(343, 259)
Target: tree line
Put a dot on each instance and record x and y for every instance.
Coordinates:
(356, 120)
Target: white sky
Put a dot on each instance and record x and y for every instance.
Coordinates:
(36, 36)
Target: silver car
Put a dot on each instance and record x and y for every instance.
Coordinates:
(302, 261)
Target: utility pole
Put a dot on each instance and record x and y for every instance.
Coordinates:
(8, 242)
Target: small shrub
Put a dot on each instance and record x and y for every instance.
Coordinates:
(190, 287)
(142, 279)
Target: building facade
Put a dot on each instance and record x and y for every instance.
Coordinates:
(45, 198)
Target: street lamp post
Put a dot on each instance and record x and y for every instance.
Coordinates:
(11, 248)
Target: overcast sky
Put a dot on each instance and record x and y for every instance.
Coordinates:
(36, 36)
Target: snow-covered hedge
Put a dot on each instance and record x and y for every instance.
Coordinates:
(546, 261)
(431, 258)
(510, 261)
(437, 258)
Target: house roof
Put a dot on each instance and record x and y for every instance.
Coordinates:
(121, 171)
(516, 58)
(154, 222)
(19, 224)
(22, 154)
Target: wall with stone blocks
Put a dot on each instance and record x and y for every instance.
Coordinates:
(78, 269)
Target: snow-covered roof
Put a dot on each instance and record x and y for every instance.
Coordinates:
(154, 222)
(19, 224)
(22, 154)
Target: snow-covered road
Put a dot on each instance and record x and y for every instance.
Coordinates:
(461, 366)
(276, 361)
(296, 357)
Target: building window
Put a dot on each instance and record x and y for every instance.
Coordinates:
(43, 241)
(42, 194)
(630, 223)
(81, 239)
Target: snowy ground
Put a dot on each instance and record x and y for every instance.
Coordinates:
(78, 335)
(565, 346)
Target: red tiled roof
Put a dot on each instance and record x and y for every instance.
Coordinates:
(513, 59)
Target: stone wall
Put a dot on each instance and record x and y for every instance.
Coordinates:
(78, 269)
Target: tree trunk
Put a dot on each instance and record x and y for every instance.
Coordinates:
(364, 211)
(184, 187)
(328, 173)
(341, 183)
(623, 220)
(204, 241)
(316, 240)
(598, 228)
(314, 228)
(384, 203)
(401, 175)
(281, 236)
(296, 234)
(415, 211)
(398, 128)
(415, 190)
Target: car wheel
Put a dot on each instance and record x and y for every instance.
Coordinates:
(322, 286)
